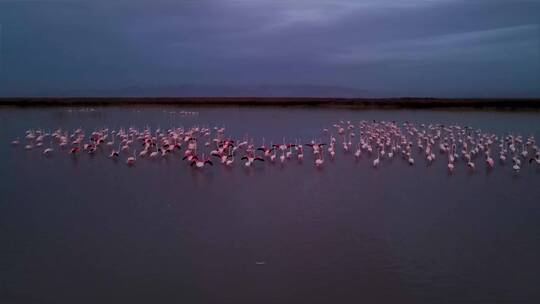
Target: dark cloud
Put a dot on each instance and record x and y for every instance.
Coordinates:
(387, 48)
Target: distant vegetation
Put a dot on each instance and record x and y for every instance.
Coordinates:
(405, 102)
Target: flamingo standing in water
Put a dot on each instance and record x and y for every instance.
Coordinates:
(283, 147)
(411, 160)
(282, 156)
(471, 165)
(230, 160)
(131, 160)
(387, 138)
(358, 151)
(154, 153)
(317, 148)
(273, 156)
(250, 159)
(319, 161)
(75, 150)
(376, 161)
(266, 150)
(199, 163)
(300, 155)
(332, 150)
(143, 153)
(48, 151)
(489, 160)
(289, 153)
(111, 142)
(450, 167)
(517, 164)
(451, 161)
(536, 158)
(115, 153)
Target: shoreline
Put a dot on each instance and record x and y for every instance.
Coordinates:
(360, 103)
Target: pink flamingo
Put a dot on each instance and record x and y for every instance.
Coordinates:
(319, 161)
(131, 160)
(199, 163)
(250, 159)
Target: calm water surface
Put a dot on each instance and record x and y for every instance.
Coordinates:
(90, 230)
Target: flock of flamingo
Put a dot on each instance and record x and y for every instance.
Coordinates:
(381, 140)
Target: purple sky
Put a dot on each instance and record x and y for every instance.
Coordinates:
(445, 48)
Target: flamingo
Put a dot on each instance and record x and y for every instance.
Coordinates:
(282, 157)
(111, 143)
(358, 151)
(489, 161)
(316, 147)
(250, 159)
(154, 154)
(289, 153)
(199, 163)
(188, 154)
(283, 147)
(266, 150)
(48, 151)
(535, 159)
(471, 165)
(131, 160)
(230, 160)
(517, 164)
(451, 161)
(300, 155)
(273, 156)
(331, 151)
(376, 160)
(115, 153)
(524, 151)
(450, 167)
(387, 138)
(319, 161)
(143, 153)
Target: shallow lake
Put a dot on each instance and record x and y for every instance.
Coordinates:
(91, 230)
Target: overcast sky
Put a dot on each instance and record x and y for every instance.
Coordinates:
(385, 48)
